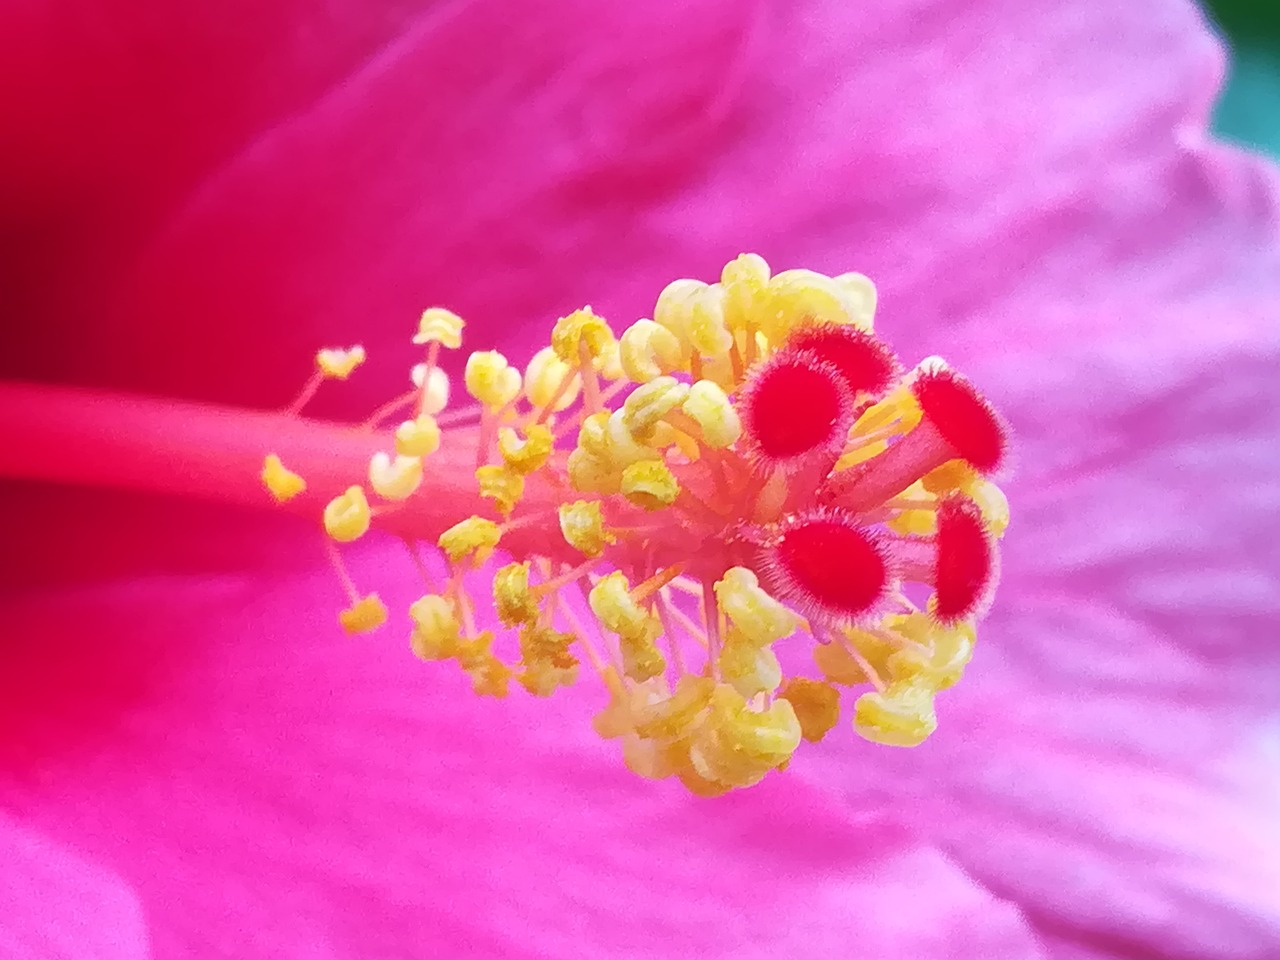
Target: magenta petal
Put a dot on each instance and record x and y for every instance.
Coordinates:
(54, 904)
(516, 167)
(265, 782)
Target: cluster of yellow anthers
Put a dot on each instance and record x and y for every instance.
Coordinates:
(676, 502)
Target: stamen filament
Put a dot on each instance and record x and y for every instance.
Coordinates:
(305, 395)
(340, 568)
(582, 634)
(642, 591)
(590, 381)
(431, 361)
(395, 405)
(419, 564)
(665, 606)
(711, 613)
(565, 577)
(876, 680)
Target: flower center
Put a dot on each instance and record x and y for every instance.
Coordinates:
(666, 505)
(749, 461)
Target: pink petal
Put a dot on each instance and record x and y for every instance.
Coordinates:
(1049, 216)
(271, 788)
(515, 167)
(53, 904)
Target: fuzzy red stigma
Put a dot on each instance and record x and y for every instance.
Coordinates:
(827, 566)
(795, 405)
(966, 571)
(867, 364)
(962, 416)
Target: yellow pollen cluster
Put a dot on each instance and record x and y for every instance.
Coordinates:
(438, 325)
(616, 520)
(337, 364)
(582, 526)
(281, 482)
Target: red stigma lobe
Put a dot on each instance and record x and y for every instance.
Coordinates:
(827, 565)
(794, 405)
(962, 416)
(866, 363)
(966, 571)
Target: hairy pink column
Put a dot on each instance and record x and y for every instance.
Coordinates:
(210, 452)
(956, 423)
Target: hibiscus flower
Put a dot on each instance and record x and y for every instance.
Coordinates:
(196, 761)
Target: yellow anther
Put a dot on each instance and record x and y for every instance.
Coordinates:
(839, 666)
(817, 706)
(694, 313)
(491, 380)
(338, 364)
(899, 405)
(641, 659)
(441, 326)
(994, 506)
(802, 296)
(706, 328)
(940, 653)
(474, 538)
(745, 280)
(757, 616)
(501, 485)
(609, 362)
(721, 371)
(490, 677)
(593, 436)
(616, 719)
(582, 523)
(709, 407)
(281, 482)
(673, 717)
(525, 456)
(543, 679)
(347, 516)
(512, 598)
(650, 484)
(364, 615)
(689, 776)
(637, 629)
(581, 327)
(543, 377)
(436, 631)
(546, 661)
(621, 446)
(748, 668)
(860, 299)
(952, 475)
(737, 746)
(546, 645)
(649, 350)
(650, 402)
(589, 473)
(435, 395)
(605, 437)
(920, 523)
(902, 716)
(650, 759)
(861, 453)
(394, 479)
(666, 436)
(419, 437)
